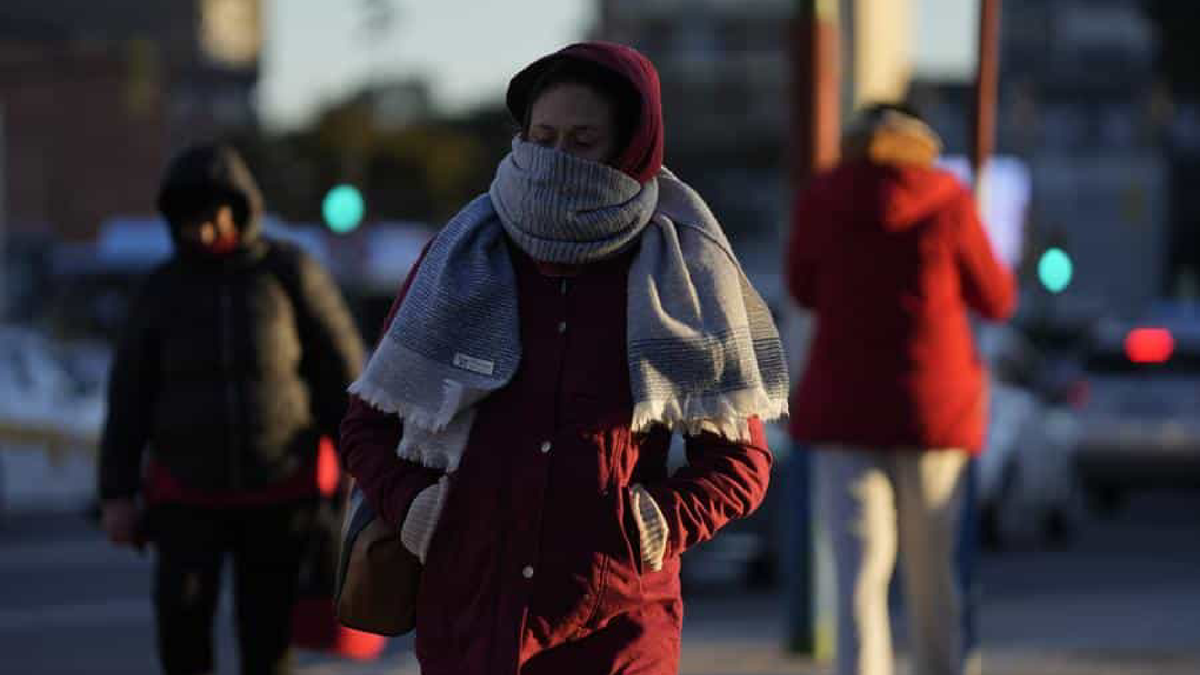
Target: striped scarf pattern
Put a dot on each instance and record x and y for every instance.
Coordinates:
(703, 351)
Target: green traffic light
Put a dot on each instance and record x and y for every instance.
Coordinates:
(1055, 270)
(343, 208)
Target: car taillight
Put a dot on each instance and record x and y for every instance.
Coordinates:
(1149, 345)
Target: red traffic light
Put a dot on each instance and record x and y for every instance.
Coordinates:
(1149, 345)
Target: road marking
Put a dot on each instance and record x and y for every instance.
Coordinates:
(56, 616)
(68, 554)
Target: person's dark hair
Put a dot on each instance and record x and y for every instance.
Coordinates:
(181, 204)
(616, 89)
(205, 176)
(870, 135)
(874, 111)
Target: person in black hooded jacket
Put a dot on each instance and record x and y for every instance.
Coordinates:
(233, 365)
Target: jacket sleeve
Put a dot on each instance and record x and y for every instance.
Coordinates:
(368, 450)
(331, 346)
(722, 481)
(988, 287)
(132, 386)
(800, 267)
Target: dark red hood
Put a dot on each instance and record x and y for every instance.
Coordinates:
(899, 197)
(643, 157)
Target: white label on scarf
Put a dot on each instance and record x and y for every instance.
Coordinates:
(473, 364)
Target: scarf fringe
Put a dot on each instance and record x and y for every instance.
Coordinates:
(722, 414)
(381, 399)
(435, 440)
(440, 450)
(429, 460)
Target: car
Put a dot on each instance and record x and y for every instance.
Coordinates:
(51, 410)
(1140, 427)
(1028, 490)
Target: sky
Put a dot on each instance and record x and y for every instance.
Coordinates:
(317, 51)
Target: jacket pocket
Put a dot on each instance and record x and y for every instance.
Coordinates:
(573, 565)
(622, 591)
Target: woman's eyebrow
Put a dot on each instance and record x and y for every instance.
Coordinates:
(573, 127)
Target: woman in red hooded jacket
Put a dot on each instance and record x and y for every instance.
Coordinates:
(888, 252)
(515, 419)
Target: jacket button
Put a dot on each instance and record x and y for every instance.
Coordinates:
(562, 326)
(527, 572)
(546, 446)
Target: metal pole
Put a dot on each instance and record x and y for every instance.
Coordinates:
(983, 130)
(986, 77)
(815, 94)
(815, 86)
(3, 220)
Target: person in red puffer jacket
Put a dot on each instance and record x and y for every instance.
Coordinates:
(889, 254)
(514, 421)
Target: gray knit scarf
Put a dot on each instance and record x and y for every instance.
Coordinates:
(703, 350)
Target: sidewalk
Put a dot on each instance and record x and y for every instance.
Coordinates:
(740, 634)
(1123, 598)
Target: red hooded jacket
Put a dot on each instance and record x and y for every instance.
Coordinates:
(890, 258)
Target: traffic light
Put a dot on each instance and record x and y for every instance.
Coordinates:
(343, 208)
(1055, 270)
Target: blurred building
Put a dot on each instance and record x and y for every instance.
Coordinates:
(1178, 65)
(1080, 103)
(723, 67)
(94, 96)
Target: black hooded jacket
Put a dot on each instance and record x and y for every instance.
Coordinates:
(230, 367)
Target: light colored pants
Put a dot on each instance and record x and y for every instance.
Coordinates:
(869, 503)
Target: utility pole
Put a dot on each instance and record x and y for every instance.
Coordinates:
(815, 119)
(815, 87)
(983, 127)
(3, 219)
(983, 138)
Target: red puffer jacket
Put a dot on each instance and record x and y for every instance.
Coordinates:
(890, 258)
(534, 566)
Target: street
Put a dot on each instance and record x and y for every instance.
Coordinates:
(913, 230)
(1124, 597)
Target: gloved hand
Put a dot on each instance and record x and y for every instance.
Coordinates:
(422, 519)
(652, 527)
